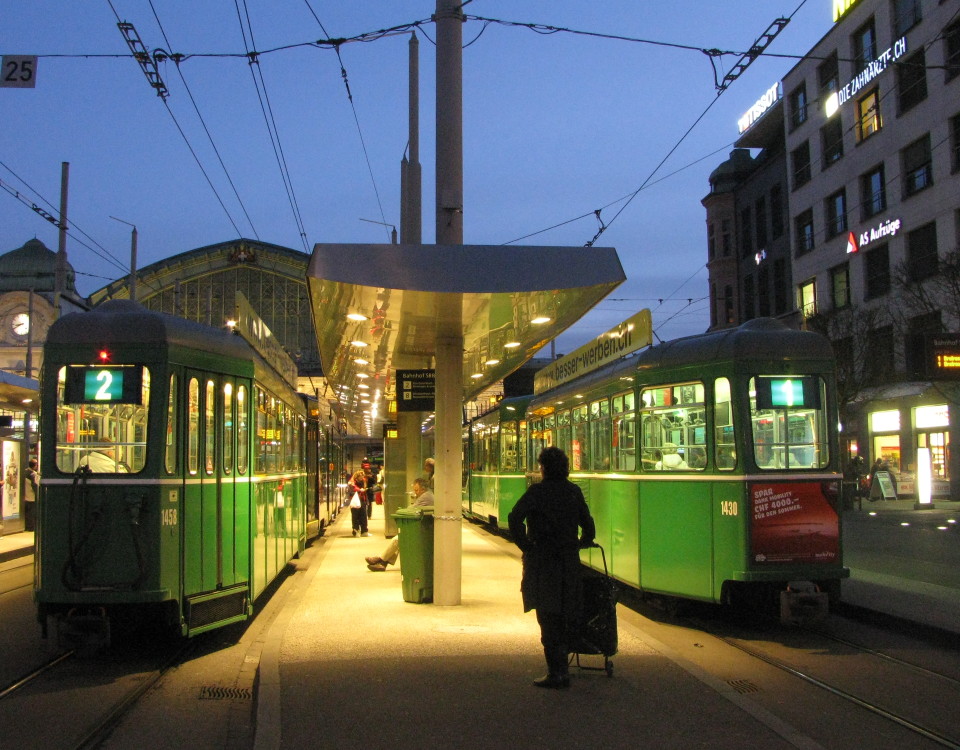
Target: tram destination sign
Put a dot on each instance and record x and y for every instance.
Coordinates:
(416, 390)
(943, 356)
(632, 334)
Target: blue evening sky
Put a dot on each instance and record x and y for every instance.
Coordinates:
(555, 126)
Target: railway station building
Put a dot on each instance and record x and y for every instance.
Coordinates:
(842, 200)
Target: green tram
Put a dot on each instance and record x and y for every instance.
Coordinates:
(495, 454)
(710, 463)
(175, 484)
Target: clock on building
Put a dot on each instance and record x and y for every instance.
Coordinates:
(20, 324)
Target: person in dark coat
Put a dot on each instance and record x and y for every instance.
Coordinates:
(544, 524)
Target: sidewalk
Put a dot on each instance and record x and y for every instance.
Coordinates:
(349, 663)
(19, 544)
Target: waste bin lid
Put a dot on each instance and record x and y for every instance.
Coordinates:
(414, 511)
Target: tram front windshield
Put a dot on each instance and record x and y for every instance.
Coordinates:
(788, 421)
(102, 418)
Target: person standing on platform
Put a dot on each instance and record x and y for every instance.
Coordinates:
(30, 499)
(544, 524)
(422, 496)
(371, 480)
(357, 492)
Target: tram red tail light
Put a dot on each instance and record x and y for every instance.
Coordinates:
(103, 355)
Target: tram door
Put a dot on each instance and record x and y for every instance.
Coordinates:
(203, 525)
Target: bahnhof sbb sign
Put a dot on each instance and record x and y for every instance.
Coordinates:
(944, 356)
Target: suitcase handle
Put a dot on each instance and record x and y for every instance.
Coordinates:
(602, 554)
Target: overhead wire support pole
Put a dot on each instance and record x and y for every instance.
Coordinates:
(140, 54)
(764, 41)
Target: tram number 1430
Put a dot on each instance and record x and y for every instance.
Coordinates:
(728, 508)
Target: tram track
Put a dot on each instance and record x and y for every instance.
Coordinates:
(868, 705)
(93, 692)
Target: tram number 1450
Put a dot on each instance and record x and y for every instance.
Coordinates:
(728, 508)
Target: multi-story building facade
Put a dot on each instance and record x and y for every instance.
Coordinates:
(871, 128)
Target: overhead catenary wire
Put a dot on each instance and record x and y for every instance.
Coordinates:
(203, 123)
(356, 117)
(261, 88)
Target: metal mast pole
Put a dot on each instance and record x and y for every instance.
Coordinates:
(449, 342)
(60, 274)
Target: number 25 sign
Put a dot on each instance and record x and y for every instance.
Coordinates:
(18, 72)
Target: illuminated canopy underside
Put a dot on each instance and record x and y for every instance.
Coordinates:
(398, 290)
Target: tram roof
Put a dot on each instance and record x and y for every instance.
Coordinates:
(400, 292)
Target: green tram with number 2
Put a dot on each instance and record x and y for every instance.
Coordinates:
(710, 463)
(174, 484)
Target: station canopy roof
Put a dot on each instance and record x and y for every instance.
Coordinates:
(16, 391)
(377, 308)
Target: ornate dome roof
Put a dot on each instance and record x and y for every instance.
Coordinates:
(727, 175)
(33, 266)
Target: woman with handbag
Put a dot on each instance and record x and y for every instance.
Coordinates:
(357, 492)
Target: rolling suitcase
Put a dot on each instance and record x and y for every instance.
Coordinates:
(598, 629)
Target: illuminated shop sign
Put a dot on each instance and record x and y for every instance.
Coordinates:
(769, 98)
(761, 256)
(875, 68)
(886, 228)
(840, 7)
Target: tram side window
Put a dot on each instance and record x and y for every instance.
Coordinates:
(209, 425)
(537, 443)
(508, 446)
(522, 446)
(102, 418)
(193, 426)
(170, 442)
(564, 434)
(243, 434)
(673, 429)
(624, 433)
(550, 432)
(789, 422)
(600, 440)
(229, 420)
(725, 443)
(261, 434)
(490, 455)
(580, 444)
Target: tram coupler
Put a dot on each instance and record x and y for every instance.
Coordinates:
(803, 603)
(87, 632)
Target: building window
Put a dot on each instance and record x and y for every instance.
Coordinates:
(868, 114)
(800, 162)
(912, 81)
(803, 226)
(749, 299)
(728, 305)
(746, 233)
(798, 106)
(808, 298)
(780, 286)
(835, 208)
(955, 143)
(917, 166)
(831, 140)
(828, 76)
(725, 237)
(923, 260)
(873, 192)
(919, 328)
(711, 241)
(840, 286)
(864, 46)
(906, 15)
(776, 208)
(763, 291)
(951, 40)
(877, 262)
(760, 218)
(878, 367)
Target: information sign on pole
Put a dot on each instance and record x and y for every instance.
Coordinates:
(19, 72)
(416, 390)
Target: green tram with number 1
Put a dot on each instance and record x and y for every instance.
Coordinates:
(710, 463)
(174, 484)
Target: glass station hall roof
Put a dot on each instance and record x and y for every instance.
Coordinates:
(377, 308)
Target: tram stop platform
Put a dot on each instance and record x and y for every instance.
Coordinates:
(349, 662)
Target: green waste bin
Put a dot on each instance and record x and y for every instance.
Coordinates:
(415, 527)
